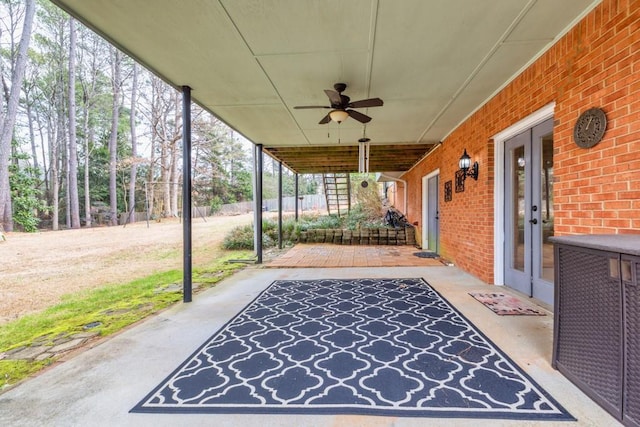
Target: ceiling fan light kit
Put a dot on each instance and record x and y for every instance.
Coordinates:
(338, 116)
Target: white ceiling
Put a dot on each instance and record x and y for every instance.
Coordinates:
(249, 62)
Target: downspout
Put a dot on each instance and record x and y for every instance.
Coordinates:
(404, 202)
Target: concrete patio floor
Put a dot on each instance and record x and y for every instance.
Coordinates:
(99, 386)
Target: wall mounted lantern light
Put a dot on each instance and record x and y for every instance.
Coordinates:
(466, 168)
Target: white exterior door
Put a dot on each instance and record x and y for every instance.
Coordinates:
(528, 214)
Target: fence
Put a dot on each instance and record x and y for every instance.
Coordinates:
(312, 202)
(196, 212)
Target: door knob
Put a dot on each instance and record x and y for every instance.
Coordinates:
(533, 221)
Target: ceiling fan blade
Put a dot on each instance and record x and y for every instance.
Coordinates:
(326, 119)
(372, 102)
(362, 118)
(304, 107)
(334, 97)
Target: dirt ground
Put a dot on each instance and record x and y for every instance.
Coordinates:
(37, 269)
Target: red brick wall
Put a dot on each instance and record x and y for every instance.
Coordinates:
(596, 190)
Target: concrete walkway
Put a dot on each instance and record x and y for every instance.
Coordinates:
(100, 385)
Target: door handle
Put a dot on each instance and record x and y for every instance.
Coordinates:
(534, 221)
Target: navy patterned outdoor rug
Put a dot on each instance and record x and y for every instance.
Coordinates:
(389, 347)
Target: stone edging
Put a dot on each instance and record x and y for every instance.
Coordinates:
(363, 236)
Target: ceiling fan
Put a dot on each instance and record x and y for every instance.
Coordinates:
(341, 106)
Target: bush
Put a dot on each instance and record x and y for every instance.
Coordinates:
(290, 229)
(361, 216)
(367, 214)
(216, 204)
(319, 222)
(240, 237)
(25, 195)
(368, 199)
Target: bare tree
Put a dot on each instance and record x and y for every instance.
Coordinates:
(154, 118)
(8, 119)
(56, 145)
(28, 89)
(113, 139)
(34, 104)
(72, 183)
(93, 61)
(74, 91)
(134, 141)
(175, 154)
(166, 131)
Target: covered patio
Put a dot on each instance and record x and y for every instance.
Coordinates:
(401, 76)
(99, 385)
(413, 72)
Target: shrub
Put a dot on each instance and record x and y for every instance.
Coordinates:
(240, 237)
(216, 204)
(319, 222)
(26, 195)
(368, 199)
(290, 230)
(363, 215)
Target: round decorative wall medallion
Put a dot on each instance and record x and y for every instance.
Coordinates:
(590, 127)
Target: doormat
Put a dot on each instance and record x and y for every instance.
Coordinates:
(426, 254)
(388, 347)
(507, 305)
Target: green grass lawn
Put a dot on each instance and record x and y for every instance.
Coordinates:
(111, 308)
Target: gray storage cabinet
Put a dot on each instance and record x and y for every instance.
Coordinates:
(597, 319)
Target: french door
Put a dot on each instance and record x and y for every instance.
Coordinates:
(430, 212)
(529, 214)
(433, 222)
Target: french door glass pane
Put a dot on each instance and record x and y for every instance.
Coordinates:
(546, 192)
(518, 179)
